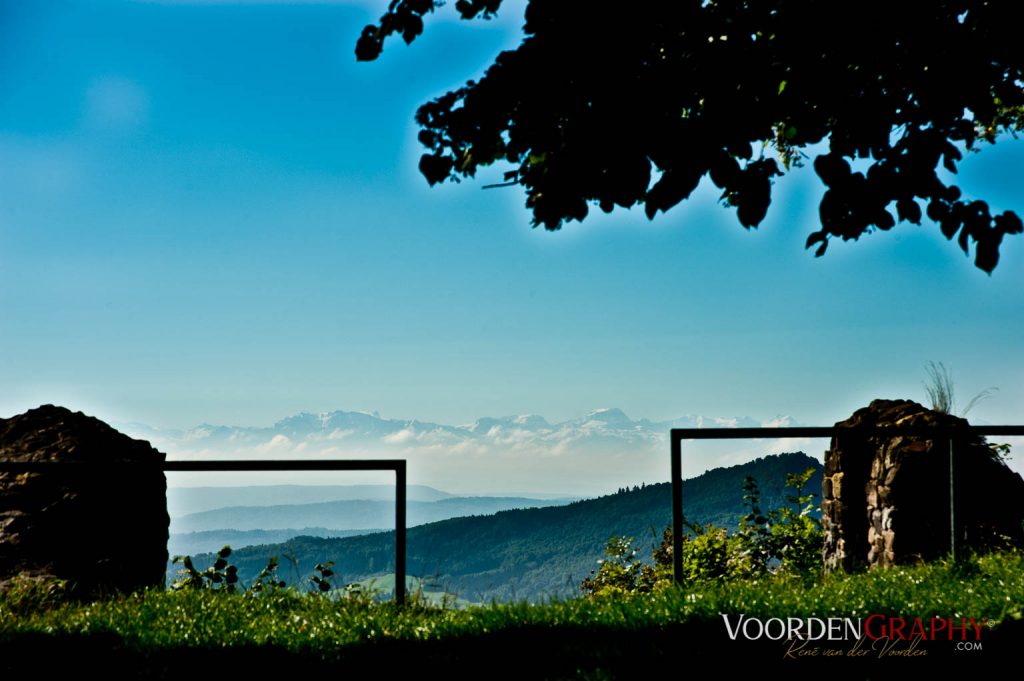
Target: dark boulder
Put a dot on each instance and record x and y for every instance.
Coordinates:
(100, 523)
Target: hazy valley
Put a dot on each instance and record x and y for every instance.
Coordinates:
(530, 553)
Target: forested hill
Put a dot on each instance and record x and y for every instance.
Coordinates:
(532, 553)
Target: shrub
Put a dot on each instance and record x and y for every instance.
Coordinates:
(787, 540)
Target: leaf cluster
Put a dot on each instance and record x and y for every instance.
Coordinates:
(635, 107)
(322, 580)
(220, 575)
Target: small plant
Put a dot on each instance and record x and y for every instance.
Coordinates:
(797, 537)
(267, 578)
(1000, 452)
(620, 572)
(754, 535)
(322, 582)
(220, 575)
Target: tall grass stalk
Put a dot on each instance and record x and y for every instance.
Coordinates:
(941, 393)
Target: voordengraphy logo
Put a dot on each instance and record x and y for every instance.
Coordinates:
(876, 635)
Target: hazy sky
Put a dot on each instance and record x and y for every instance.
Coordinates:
(209, 211)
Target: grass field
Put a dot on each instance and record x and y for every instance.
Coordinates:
(166, 634)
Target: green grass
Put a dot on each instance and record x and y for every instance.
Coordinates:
(163, 630)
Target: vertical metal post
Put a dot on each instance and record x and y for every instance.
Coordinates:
(952, 517)
(677, 510)
(400, 533)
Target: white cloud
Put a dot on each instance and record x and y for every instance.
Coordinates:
(514, 438)
(796, 444)
(278, 443)
(401, 437)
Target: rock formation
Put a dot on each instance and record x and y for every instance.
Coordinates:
(99, 524)
(886, 499)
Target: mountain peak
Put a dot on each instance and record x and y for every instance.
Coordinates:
(610, 415)
(531, 421)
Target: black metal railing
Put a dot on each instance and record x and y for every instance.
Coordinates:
(248, 465)
(949, 432)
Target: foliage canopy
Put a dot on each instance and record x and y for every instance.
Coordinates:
(619, 107)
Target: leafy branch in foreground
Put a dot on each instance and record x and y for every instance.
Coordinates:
(716, 87)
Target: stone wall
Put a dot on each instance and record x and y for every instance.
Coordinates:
(102, 529)
(886, 500)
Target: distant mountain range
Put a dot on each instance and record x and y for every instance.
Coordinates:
(352, 428)
(206, 518)
(348, 514)
(192, 543)
(533, 553)
(509, 456)
(185, 500)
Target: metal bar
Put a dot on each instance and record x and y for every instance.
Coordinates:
(297, 465)
(829, 431)
(746, 433)
(400, 535)
(677, 512)
(952, 518)
(212, 466)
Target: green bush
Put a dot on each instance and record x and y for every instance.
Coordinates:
(784, 541)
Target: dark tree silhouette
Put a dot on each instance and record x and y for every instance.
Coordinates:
(618, 106)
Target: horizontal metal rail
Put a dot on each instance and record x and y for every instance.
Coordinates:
(396, 465)
(677, 435)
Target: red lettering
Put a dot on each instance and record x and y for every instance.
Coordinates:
(896, 625)
(916, 629)
(962, 628)
(867, 627)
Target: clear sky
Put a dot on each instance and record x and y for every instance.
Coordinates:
(210, 212)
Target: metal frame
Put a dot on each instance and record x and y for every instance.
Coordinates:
(679, 434)
(396, 465)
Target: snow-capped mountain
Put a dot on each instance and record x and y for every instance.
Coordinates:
(361, 431)
(594, 453)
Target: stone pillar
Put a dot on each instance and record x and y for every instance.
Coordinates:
(885, 500)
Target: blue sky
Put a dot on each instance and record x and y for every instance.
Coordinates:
(209, 211)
